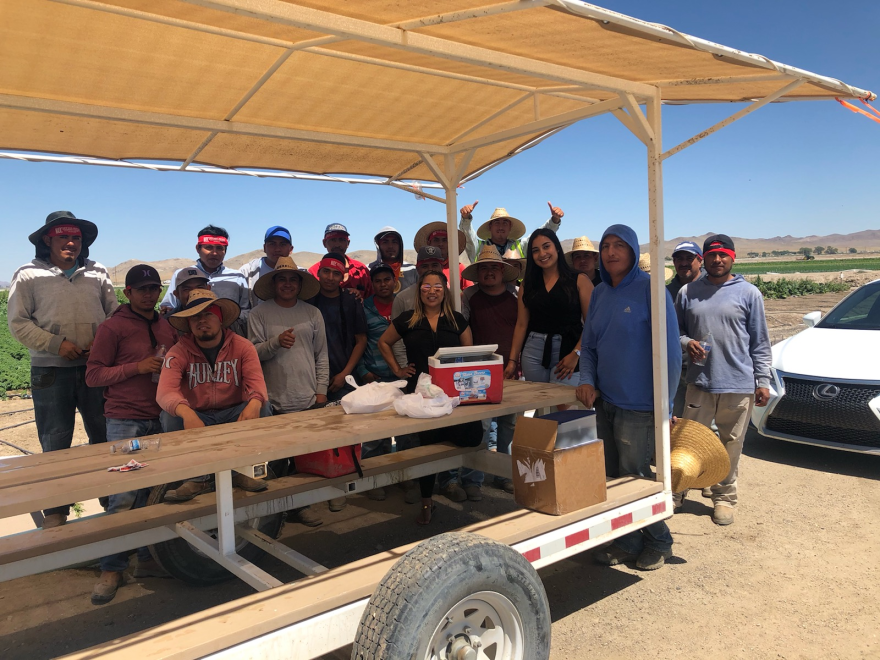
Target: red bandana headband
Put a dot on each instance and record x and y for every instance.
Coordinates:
(729, 253)
(332, 264)
(216, 311)
(335, 234)
(207, 239)
(440, 233)
(65, 230)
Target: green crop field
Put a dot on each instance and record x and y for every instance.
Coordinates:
(813, 266)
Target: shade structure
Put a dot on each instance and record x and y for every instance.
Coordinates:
(399, 90)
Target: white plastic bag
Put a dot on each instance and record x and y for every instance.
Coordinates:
(372, 397)
(427, 401)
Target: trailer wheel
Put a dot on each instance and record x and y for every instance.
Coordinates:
(184, 562)
(457, 596)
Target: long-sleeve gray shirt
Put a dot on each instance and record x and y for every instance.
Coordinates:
(733, 312)
(473, 243)
(293, 375)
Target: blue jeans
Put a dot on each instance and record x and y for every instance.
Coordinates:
(629, 436)
(58, 393)
(123, 429)
(533, 354)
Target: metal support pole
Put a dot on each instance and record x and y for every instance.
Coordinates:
(225, 513)
(658, 292)
(451, 183)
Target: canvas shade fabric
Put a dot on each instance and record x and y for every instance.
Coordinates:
(346, 88)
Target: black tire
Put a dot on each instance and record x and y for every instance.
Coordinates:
(433, 580)
(182, 561)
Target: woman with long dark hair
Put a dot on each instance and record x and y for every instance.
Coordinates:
(433, 324)
(553, 303)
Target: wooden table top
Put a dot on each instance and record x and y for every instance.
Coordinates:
(40, 481)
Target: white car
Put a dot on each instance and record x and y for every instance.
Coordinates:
(825, 380)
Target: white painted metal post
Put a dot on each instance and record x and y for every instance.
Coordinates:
(225, 513)
(451, 183)
(658, 291)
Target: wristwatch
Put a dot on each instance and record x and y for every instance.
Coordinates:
(578, 351)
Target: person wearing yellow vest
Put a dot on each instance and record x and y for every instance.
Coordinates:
(501, 230)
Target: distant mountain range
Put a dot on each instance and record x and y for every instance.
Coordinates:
(868, 240)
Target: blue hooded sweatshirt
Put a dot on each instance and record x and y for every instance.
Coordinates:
(616, 354)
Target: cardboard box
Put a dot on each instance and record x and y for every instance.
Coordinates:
(558, 479)
(475, 374)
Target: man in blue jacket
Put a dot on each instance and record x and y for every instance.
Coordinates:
(617, 376)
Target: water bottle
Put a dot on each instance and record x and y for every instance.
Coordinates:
(706, 345)
(133, 445)
(160, 353)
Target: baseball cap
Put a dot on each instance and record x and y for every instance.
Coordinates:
(142, 274)
(335, 227)
(187, 274)
(718, 243)
(278, 231)
(688, 246)
(429, 253)
(381, 268)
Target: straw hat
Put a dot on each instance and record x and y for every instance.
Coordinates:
(698, 458)
(645, 265)
(517, 228)
(199, 301)
(580, 244)
(421, 239)
(512, 257)
(489, 254)
(264, 289)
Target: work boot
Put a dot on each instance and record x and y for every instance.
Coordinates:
(149, 568)
(106, 587)
(412, 494)
(54, 520)
(722, 515)
(474, 492)
(377, 494)
(678, 501)
(247, 483)
(707, 492)
(452, 491)
(338, 504)
(188, 490)
(613, 555)
(305, 516)
(651, 559)
(504, 484)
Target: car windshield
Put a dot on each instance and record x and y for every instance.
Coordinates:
(860, 311)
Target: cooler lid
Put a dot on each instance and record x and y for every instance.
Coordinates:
(457, 351)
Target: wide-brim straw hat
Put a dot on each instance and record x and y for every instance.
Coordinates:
(512, 257)
(698, 458)
(89, 229)
(421, 239)
(580, 244)
(489, 254)
(264, 289)
(517, 228)
(199, 301)
(645, 265)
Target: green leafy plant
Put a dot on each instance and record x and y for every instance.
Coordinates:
(15, 362)
(801, 266)
(785, 288)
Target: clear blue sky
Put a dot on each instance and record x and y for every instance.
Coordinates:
(795, 168)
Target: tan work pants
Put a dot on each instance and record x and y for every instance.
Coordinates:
(731, 413)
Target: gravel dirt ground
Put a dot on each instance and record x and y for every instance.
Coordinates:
(796, 576)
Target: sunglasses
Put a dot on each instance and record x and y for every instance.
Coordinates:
(437, 287)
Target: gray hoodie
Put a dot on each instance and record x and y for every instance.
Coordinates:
(408, 273)
(45, 308)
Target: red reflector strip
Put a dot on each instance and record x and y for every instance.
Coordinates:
(658, 508)
(577, 538)
(532, 555)
(625, 519)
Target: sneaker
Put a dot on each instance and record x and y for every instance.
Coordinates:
(54, 520)
(188, 490)
(613, 555)
(452, 491)
(149, 568)
(707, 492)
(678, 501)
(651, 559)
(722, 515)
(305, 516)
(413, 494)
(474, 492)
(249, 484)
(106, 587)
(338, 504)
(377, 494)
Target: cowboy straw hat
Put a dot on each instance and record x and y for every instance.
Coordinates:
(89, 229)
(421, 239)
(200, 300)
(264, 289)
(512, 257)
(489, 254)
(645, 265)
(698, 458)
(517, 228)
(580, 244)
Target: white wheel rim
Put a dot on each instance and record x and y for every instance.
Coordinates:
(488, 622)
